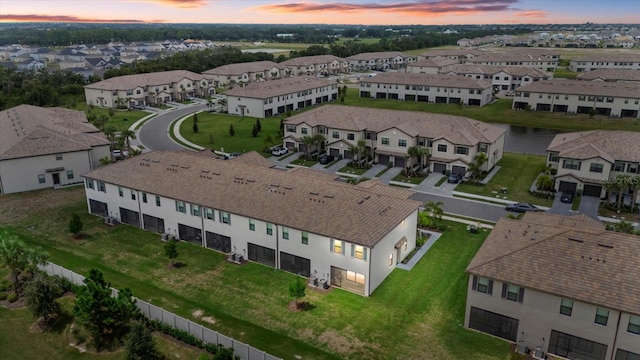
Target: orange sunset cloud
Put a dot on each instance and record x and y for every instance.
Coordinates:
(189, 4)
(61, 18)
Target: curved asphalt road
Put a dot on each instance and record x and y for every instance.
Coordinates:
(154, 134)
(464, 207)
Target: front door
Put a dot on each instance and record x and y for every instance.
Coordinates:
(56, 178)
(336, 276)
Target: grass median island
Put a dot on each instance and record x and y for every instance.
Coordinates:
(500, 112)
(416, 314)
(216, 127)
(517, 174)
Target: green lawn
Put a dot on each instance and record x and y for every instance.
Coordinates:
(303, 161)
(564, 73)
(501, 112)
(409, 180)
(416, 314)
(121, 119)
(355, 170)
(517, 174)
(216, 126)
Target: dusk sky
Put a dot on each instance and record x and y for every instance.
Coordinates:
(387, 12)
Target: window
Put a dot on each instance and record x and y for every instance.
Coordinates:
(42, 180)
(285, 233)
(208, 213)
(384, 140)
(337, 246)
(566, 307)
(602, 316)
(571, 164)
(359, 252)
(595, 167)
(482, 285)
(462, 150)
(102, 187)
(269, 229)
(483, 148)
(634, 325)
(442, 148)
(553, 157)
(391, 259)
(429, 143)
(291, 128)
(69, 174)
(89, 182)
(58, 156)
(494, 324)
(305, 238)
(512, 292)
(632, 168)
(252, 225)
(181, 207)
(618, 166)
(120, 191)
(133, 194)
(351, 136)
(225, 217)
(335, 134)
(569, 346)
(402, 142)
(144, 198)
(158, 200)
(195, 210)
(303, 131)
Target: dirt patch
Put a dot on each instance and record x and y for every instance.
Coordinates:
(15, 208)
(341, 344)
(209, 319)
(196, 314)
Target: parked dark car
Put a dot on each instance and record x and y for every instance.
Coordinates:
(567, 197)
(521, 207)
(454, 178)
(326, 158)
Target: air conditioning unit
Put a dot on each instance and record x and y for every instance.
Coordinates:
(538, 353)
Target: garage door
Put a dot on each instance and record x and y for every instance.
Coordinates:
(592, 190)
(383, 159)
(399, 161)
(334, 152)
(348, 155)
(566, 186)
(439, 168)
(458, 170)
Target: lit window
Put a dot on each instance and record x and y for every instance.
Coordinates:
(338, 247)
(602, 316)
(391, 259)
(566, 307)
(358, 252)
(252, 225)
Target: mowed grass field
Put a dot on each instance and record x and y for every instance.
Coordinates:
(216, 127)
(414, 314)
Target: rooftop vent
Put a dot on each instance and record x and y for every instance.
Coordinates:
(576, 240)
(607, 246)
(329, 196)
(314, 193)
(204, 171)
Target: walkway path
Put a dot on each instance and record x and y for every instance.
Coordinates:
(433, 237)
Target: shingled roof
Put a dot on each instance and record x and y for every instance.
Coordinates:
(267, 89)
(241, 68)
(608, 144)
(567, 256)
(611, 75)
(455, 129)
(450, 81)
(129, 82)
(577, 87)
(358, 214)
(28, 130)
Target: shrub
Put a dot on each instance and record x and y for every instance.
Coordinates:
(3, 295)
(579, 192)
(13, 297)
(5, 285)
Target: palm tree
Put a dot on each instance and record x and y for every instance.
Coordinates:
(412, 153)
(353, 149)
(18, 257)
(622, 180)
(435, 208)
(209, 104)
(544, 182)
(318, 140)
(634, 186)
(110, 133)
(476, 166)
(105, 161)
(308, 141)
(128, 135)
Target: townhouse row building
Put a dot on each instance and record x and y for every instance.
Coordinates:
(614, 75)
(587, 160)
(615, 99)
(380, 60)
(544, 60)
(503, 78)
(433, 65)
(433, 88)
(47, 147)
(557, 285)
(271, 98)
(452, 141)
(301, 221)
(605, 61)
(150, 88)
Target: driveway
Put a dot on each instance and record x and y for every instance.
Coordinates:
(589, 206)
(559, 207)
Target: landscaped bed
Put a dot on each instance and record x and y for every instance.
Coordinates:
(415, 314)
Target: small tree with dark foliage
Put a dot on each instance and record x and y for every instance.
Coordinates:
(231, 131)
(195, 127)
(171, 250)
(140, 344)
(41, 293)
(258, 125)
(75, 225)
(254, 132)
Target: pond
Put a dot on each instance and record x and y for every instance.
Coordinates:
(527, 140)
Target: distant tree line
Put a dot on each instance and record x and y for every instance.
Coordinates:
(38, 88)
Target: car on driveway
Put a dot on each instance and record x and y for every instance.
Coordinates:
(567, 197)
(279, 151)
(521, 207)
(454, 178)
(326, 158)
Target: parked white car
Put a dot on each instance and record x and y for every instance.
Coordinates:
(279, 151)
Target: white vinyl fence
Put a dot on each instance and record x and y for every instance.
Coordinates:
(152, 312)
